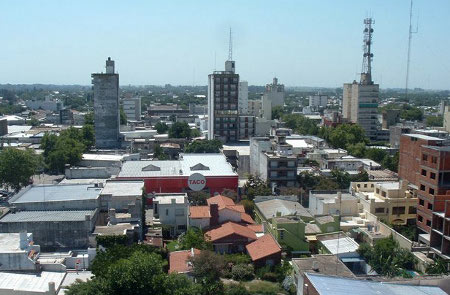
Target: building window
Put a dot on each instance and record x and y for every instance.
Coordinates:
(430, 206)
(378, 191)
(383, 194)
(358, 185)
(431, 191)
(428, 222)
(412, 210)
(365, 185)
(182, 227)
(179, 212)
(421, 202)
(432, 175)
(434, 160)
(425, 157)
(424, 172)
(422, 187)
(420, 218)
(379, 210)
(281, 234)
(167, 212)
(398, 210)
(273, 174)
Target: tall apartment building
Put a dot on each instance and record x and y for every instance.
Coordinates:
(243, 98)
(223, 94)
(360, 100)
(273, 96)
(318, 101)
(106, 107)
(132, 108)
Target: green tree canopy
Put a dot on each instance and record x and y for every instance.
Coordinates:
(180, 130)
(161, 127)
(123, 117)
(17, 167)
(204, 146)
(435, 121)
(255, 186)
(194, 238)
(300, 124)
(277, 112)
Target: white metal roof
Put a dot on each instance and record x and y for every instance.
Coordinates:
(123, 188)
(24, 282)
(342, 245)
(55, 193)
(10, 242)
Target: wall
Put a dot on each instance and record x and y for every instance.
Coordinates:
(199, 222)
(88, 204)
(82, 172)
(229, 215)
(167, 215)
(17, 261)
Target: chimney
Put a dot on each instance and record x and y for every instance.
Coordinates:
(112, 215)
(315, 265)
(87, 217)
(51, 288)
(214, 212)
(23, 237)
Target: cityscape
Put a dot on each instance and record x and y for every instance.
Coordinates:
(224, 185)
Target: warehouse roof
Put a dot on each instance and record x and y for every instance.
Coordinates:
(46, 216)
(36, 282)
(325, 285)
(205, 164)
(54, 193)
(123, 188)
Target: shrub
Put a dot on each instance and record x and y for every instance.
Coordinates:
(235, 259)
(242, 272)
(270, 276)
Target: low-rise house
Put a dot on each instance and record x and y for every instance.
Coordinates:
(120, 194)
(171, 210)
(179, 261)
(264, 251)
(230, 237)
(332, 202)
(18, 252)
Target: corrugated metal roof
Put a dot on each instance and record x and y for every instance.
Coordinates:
(123, 188)
(46, 216)
(52, 193)
(270, 208)
(326, 285)
(30, 282)
(217, 164)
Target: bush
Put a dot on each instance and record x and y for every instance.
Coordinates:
(235, 259)
(242, 272)
(236, 289)
(270, 276)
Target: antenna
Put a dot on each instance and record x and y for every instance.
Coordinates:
(366, 72)
(230, 47)
(409, 47)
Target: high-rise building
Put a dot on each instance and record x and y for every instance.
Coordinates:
(273, 96)
(223, 114)
(132, 108)
(360, 100)
(106, 107)
(243, 98)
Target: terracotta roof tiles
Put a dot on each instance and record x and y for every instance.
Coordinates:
(263, 247)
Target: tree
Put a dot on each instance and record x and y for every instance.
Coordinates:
(180, 130)
(357, 150)
(204, 146)
(376, 154)
(123, 117)
(342, 178)
(194, 238)
(249, 206)
(301, 124)
(438, 267)
(198, 198)
(277, 112)
(88, 136)
(255, 186)
(435, 121)
(411, 113)
(159, 153)
(346, 134)
(161, 127)
(17, 167)
(89, 119)
(207, 268)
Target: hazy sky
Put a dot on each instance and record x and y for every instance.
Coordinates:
(303, 43)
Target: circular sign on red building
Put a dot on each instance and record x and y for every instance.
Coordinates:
(196, 182)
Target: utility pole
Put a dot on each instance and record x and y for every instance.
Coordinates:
(409, 48)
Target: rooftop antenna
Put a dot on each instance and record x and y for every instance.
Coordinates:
(230, 47)
(409, 48)
(366, 72)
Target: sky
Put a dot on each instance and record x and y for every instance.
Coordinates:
(303, 43)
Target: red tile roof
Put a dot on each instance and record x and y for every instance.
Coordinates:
(257, 228)
(178, 261)
(199, 212)
(263, 247)
(238, 208)
(220, 200)
(247, 218)
(227, 229)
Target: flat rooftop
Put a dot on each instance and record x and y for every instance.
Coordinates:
(338, 243)
(114, 229)
(123, 188)
(270, 208)
(167, 198)
(10, 242)
(324, 264)
(25, 282)
(205, 164)
(46, 216)
(424, 137)
(102, 157)
(243, 149)
(55, 193)
(389, 185)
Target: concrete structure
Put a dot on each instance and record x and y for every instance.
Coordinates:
(106, 107)
(223, 114)
(132, 108)
(171, 176)
(447, 118)
(166, 110)
(273, 96)
(18, 252)
(3, 126)
(318, 101)
(121, 194)
(52, 229)
(332, 202)
(247, 127)
(392, 202)
(57, 197)
(389, 118)
(243, 98)
(171, 210)
(255, 107)
(49, 104)
(42, 283)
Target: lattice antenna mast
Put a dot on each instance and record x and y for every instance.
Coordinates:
(230, 47)
(409, 47)
(366, 72)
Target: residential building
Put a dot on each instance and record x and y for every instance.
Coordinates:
(66, 117)
(264, 251)
(39, 283)
(389, 118)
(273, 96)
(171, 210)
(179, 261)
(48, 104)
(121, 194)
(53, 229)
(243, 98)
(230, 237)
(318, 284)
(106, 107)
(318, 101)
(166, 110)
(18, 252)
(171, 176)
(132, 108)
(339, 244)
(392, 202)
(447, 118)
(223, 114)
(247, 125)
(255, 107)
(332, 202)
